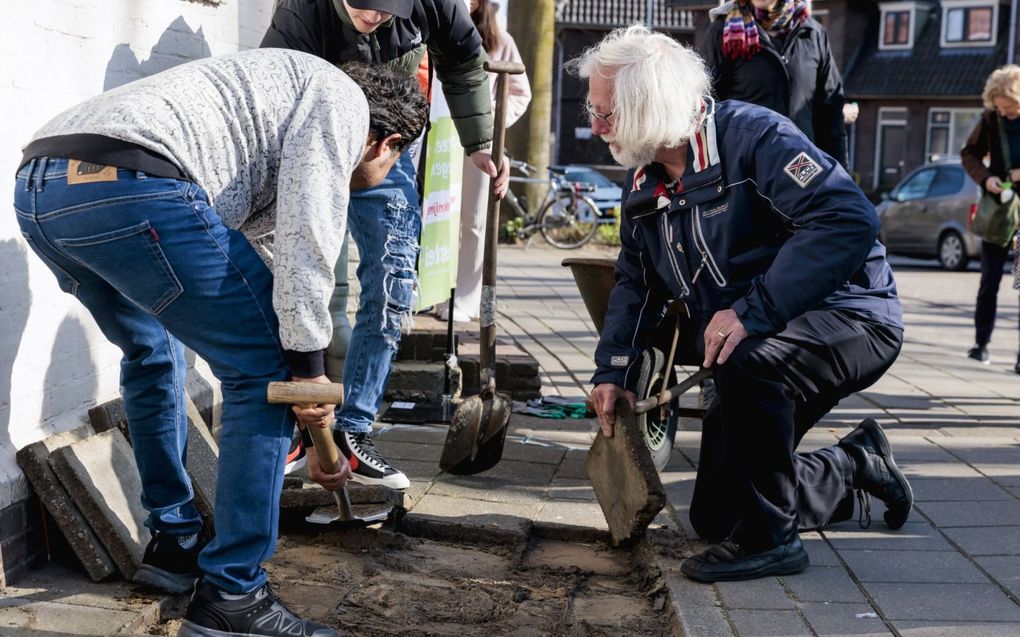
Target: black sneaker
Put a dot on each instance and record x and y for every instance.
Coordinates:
(170, 562)
(296, 459)
(980, 354)
(257, 613)
(367, 464)
(1016, 368)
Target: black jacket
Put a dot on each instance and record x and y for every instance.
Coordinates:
(323, 28)
(799, 80)
(986, 139)
(765, 225)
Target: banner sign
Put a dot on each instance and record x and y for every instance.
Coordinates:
(440, 231)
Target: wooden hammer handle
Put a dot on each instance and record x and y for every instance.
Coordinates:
(512, 68)
(318, 394)
(305, 393)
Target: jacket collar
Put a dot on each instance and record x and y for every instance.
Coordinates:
(649, 192)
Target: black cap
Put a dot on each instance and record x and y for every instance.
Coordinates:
(399, 8)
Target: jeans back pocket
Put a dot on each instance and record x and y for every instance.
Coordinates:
(66, 282)
(132, 261)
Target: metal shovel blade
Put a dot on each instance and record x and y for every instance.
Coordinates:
(479, 423)
(343, 512)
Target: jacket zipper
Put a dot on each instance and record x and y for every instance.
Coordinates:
(667, 233)
(706, 255)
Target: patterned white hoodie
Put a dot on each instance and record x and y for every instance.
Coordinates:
(272, 136)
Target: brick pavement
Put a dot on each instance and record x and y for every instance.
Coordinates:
(952, 570)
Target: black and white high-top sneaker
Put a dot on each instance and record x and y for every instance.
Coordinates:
(367, 464)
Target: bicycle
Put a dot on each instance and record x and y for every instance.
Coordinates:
(567, 218)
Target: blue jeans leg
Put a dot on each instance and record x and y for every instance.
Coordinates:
(156, 267)
(385, 224)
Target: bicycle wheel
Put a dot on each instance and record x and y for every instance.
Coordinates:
(569, 222)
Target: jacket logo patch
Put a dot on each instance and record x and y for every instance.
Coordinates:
(718, 210)
(619, 361)
(802, 170)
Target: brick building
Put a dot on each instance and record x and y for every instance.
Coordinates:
(915, 68)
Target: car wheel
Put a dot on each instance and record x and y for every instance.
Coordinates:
(952, 251)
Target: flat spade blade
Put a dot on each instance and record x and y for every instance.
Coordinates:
(479, 424)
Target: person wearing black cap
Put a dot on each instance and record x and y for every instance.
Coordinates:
(385, 221)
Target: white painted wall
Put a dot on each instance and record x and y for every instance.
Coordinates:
(54, 362)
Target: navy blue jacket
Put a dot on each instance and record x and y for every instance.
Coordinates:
(762, 223)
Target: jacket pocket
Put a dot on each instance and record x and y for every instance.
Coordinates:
(132, 261)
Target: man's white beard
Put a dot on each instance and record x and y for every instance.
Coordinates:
(629, 157)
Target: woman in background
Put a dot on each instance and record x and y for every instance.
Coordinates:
(997, 136)
(475, 187)
(774, 54)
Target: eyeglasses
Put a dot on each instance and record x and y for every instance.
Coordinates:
(592, 113)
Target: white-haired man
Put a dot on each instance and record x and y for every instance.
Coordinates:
(772, 247)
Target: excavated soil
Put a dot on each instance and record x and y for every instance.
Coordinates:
(377, 583)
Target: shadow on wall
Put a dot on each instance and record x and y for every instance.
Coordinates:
(71, 385)
(15, 301)
(178, 44)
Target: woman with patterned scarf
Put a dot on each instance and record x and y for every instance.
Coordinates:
(774, 54)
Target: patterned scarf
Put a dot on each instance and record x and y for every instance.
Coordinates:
(741, 36)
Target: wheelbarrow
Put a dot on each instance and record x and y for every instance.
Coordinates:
(595, 280)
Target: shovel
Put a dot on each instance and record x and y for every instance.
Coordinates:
(325, 448)
(474, 442)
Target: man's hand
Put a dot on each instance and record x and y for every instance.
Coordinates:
(321, 415)
(482, 159)
(993, 185)
(312, 415)
(604, 398)
(329, 481)
(723, 334)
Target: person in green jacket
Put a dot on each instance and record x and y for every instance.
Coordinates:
(385, 221)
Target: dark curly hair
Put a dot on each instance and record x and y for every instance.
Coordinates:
(396, 103)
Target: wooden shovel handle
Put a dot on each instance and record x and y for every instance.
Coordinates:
(329, 458)
(511, 68)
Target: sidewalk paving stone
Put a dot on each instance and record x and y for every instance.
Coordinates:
(986, 540)
(827, 584)
(945, 514)
(958, 629)
(959, 488)
(844, 620)
(944, 602)
(884, 565)
(766, 593)
(769, 623)
(1005, 570)
(915, 535)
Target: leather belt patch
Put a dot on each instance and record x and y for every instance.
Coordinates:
(83, 172)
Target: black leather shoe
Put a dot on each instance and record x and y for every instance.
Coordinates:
(876, 472)
(728, 562)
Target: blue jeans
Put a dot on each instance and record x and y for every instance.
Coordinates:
(385, 224)
(158, 270)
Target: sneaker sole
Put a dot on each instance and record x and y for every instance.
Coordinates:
(787, 566)
(885, 450)
(191, 629)
(399, 482)
(165, 580)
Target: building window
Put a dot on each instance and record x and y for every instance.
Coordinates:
(896, 29)
(969, 23)
(948, 130)
(898, 20)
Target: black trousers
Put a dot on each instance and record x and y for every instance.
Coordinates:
(751, 484)
(993, 259)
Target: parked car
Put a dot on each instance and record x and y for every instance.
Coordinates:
(607, 194)
(927, 215)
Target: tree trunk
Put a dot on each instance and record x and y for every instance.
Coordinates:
(531, 23)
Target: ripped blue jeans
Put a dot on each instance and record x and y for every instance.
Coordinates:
(385, 223)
